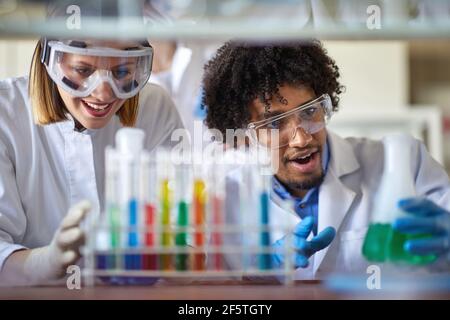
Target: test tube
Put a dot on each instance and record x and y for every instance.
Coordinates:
(149, 260)
(248, 201)
(181, 259)
(165, 195)
(130, 144)
(102, 256)
(113, 206)
(264, 258)
(216, 186)
(199, 203)
(133, 261)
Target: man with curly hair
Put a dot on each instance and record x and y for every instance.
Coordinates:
(294, 88)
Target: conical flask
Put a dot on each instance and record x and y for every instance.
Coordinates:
(382, 243)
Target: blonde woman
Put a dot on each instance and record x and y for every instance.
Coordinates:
(54, 128)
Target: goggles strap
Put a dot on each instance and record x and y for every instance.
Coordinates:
(145, 43)
(77, 44)
(45, 50)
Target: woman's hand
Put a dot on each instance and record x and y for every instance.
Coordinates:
(45, 264)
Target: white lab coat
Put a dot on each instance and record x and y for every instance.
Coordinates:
(345, 198)
(183, 80)
(46, 169)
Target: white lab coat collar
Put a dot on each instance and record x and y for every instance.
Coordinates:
(335, 198)
(68, 126)
(342, 158)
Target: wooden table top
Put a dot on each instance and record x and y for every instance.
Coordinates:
(300, 290)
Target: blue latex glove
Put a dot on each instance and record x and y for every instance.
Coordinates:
(304, 248)
(426, 218)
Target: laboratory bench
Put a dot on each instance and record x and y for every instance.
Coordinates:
(300, 290)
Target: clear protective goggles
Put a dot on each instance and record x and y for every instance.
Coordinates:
(80, 68)
(279, 130)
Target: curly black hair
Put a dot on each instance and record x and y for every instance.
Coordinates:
(241, 72)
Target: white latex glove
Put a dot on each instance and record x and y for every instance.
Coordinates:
(45, 264)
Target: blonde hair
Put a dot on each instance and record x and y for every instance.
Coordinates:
(47, 105)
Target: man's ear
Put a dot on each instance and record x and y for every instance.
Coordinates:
(256, 110)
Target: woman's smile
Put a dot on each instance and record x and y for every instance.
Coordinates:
(97, 109)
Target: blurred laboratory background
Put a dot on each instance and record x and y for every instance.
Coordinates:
(394, 56)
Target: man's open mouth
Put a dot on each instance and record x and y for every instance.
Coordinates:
(305, 162)
(304, 158)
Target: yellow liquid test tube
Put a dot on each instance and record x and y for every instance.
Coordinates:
(166, 237)
(199, 221)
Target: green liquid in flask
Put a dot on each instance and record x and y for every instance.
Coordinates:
(398, 254)
(382, 243)
(376, 242)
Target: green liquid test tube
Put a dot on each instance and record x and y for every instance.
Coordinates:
(181, 259)
(114, 221)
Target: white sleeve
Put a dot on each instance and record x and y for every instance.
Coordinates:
(158, 116)
(12, 216)
(433, 182)
(431, 178)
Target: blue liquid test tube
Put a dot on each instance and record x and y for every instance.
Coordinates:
(265, 262)
(130, 145)
(133, 260)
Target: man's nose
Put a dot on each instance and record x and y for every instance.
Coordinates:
(103, 92)
(300, 138)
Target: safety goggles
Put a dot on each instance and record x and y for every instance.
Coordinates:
(277, 131)
(80, 68)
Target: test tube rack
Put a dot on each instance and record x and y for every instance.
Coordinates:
(165, 219)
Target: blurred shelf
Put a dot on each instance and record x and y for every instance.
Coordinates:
(217, 30)
(225, 19)
(422, 122)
